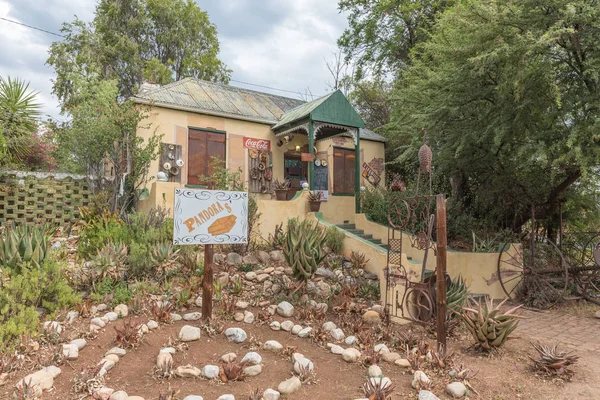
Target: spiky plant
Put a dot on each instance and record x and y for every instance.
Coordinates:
(161, 311)
(553, 361)
(303, 248)
(378, 389)
(232, 371)
(24, 244)
(127, 334)
(488, 324)
(456, 294)
(109, 259)
(255, 395)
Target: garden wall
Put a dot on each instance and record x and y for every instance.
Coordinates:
(41, 197)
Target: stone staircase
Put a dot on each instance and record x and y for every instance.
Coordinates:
(361, 233)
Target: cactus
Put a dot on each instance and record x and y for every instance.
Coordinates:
(303, 248)
(24, 244)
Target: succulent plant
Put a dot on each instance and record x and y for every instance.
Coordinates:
(553, 361)
(108, 260)
(456, 294)
(164, 253)
(303, 247)
(281, 185)
(489, 326)
(24, 244)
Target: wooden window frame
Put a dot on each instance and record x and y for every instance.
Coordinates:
(208, 133)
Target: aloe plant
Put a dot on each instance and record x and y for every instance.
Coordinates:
(456, 294)
(489, 326)
(24, 244)
(303, 248)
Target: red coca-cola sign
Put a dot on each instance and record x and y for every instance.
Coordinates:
(258, 144)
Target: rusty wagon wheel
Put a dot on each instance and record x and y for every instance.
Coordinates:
(541, 282)
(420, 305)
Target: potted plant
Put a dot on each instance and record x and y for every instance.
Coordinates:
(281, 188)
(314, 200)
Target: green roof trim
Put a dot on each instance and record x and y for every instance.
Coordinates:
(333, 108)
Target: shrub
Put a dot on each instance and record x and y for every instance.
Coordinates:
(335, 240)
(101, 230)
(119, 289)
(375, 203)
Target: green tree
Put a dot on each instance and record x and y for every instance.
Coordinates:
(382, 32)
(509, 94)
(136, 40)
(19, 112)
(102, 139)
(371, 99)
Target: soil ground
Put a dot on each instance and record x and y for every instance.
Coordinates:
(501, 377)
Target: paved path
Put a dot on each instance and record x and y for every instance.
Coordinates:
(579, 333)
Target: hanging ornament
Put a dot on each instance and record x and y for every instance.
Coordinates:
(425, 155)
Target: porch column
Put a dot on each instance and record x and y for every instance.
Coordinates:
(311, 150)
(357, 171)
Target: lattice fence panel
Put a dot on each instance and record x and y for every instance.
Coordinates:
(32, 199)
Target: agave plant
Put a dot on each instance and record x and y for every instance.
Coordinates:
(164, 253)
(456, 294)
(109, 259)
(489, 326)
(303, 248)
(553, 361)
(24, 244)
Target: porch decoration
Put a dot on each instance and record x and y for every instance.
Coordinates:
(261, 169)
(314, 200)
(281, 188)
(171, 162)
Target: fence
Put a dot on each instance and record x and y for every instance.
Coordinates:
(40, 197)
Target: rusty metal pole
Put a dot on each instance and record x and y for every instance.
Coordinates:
(440, 289)
(207, 278)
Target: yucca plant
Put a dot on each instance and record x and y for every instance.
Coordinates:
(24, 244)
(553, 361)
(303, 248)
(489, 326)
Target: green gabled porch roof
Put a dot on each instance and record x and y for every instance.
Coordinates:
(333, 108)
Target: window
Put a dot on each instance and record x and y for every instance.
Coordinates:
(344, 168)
(203, 146)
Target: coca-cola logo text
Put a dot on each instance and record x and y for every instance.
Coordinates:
(258, 144)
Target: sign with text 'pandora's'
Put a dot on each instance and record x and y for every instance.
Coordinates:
(258, 144)
(210, 217)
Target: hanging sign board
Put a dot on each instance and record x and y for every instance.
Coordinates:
(258, 144)
(210, 217)
(307, 157)
(370, 175)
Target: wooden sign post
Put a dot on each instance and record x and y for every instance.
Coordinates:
(208, 217)
(440, 270)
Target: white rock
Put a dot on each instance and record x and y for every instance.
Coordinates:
(120, 395)
(152, 324)
(226, 397)
(253, 370)
(248, 317)
(337, 334)
(236, 335)
(198, 301)
(297, 356)
(275, 325)
(80, 343)
(111, 316)
(102, 307)
(229, 357)
(456, 389)
(42, 379)
(72, 316)
(350, 340)
(296, 329)
(176, 317)
(242, 304)
(70, 352)
(329, 326)
(285, 309)
(122, 310)
(107, 364)
(271, 394)
(382, 381)
(194, 316)
(188, 371)
(287, 325)
(117, 351)
(52, 370)
(375, 371)
(103, 393)
(390, 357)
(210, 371)
(252, 358)
(164, 361)
(427, 395)
(273, 345)
(250, 275)
(290, 385)
(98, 322)
(112, 357)
(335, 349)
(420, 379)
(351, 355)
(189, 333)
(303, 363)
(305, 332)
(170, 350)
(238, 316)
(381, 348)
(135, 398)
(322, 307)
(402, 362)
(193, 397)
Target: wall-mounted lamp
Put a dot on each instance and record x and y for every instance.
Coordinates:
(297, 147)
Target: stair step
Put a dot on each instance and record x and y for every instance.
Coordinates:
(346, 226)
(375, 241)
(366, 236)
(357, 232)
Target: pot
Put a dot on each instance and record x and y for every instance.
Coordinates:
(281, 194)
(315, 206)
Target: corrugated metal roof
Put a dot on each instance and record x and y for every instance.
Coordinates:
(214, 97)
(367, 134)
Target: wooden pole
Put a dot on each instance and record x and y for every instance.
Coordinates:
(207, 278)
(440, 270)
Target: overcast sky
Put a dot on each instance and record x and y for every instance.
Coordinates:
(277, 43)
